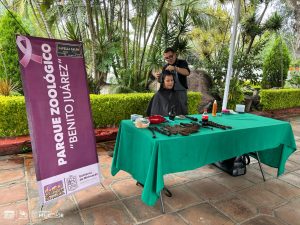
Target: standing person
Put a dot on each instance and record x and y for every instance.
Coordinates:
(180, 69)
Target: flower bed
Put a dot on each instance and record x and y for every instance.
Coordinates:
(21, 144)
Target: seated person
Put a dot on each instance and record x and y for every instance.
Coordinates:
(166, 98)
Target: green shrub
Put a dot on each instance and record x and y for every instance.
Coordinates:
(9, 27)
(280, 99)
(235, 95)
(13, 120)
(194, 99)
(293, 79)
(248, 92)
(112, 108)
(276, 65)
(106, 110)
(257, 87)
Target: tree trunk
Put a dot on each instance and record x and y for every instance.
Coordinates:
(43, 19)
(106, 20)
(125, 41)
(34, 14)
(296, 9)
(93, 40)
(150, 31)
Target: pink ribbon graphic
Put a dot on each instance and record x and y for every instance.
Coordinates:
(27, 51)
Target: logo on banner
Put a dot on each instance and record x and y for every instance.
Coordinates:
(72, 183)
(54, 190)
(27, 51)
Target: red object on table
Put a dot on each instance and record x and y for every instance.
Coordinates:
(155, 119)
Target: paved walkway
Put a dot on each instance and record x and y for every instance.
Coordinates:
(204, 196)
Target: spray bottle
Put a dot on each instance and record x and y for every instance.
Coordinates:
(214, 109)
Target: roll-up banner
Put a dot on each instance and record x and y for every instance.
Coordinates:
(59, 115)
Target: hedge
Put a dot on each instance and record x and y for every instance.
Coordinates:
(107, 110)
(13, 119)
(272, 99)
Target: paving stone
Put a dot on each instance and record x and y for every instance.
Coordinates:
(236, 208)
(204, 214)
(265, 210)
(141, 211)
(100, 148)
(295, 157)
(208, 189)
(291, 166)
(296, 130)
(63, 206)
(171, 180)
(105, 171)
(127, 188)
(199, 173)
(167, 219)
(14, 214)
(30, 170)
(13, 175)
(106, 182)
(108, 146)
(282, 189)
(210, 170)
(233, 183)
(104, 159)
(297, 172)
(93, 196)
(181, 198)
(61, 219)
(11, 163)
(13, 193)
(33, 191)
(110, 214)
(291, 178)
(290, 212)
(254, 175)
(268, 171)
(259, 196)
(263, 220)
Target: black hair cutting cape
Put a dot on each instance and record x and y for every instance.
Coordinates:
(162, 103)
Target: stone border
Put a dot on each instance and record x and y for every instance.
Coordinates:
(279, 113)
(21, 144)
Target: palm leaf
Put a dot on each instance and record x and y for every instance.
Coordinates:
(274, 23)
(7, 87)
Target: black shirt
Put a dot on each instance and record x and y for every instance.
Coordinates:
(182, 64)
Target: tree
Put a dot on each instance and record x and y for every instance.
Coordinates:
(212, 44)
(276, 65)
(10, 25)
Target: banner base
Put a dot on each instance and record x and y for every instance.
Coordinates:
(67, 183)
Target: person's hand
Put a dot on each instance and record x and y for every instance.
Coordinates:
(156, 75)
(170, 68)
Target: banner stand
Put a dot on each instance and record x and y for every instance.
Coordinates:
(59, 116)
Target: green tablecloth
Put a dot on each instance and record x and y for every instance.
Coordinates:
(148, 159)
